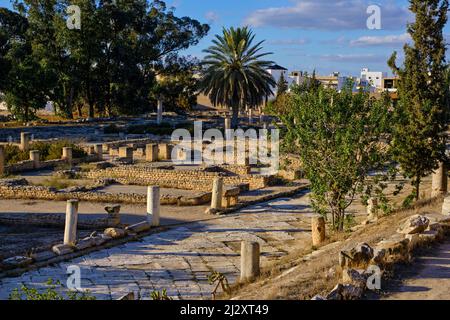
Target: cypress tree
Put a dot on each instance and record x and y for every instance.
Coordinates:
(419, 139)
(282, 85)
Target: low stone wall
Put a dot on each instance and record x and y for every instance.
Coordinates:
(177, 179)
(46, 193)
(237, 169)
(129, 142)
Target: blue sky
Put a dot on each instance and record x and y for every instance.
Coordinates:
(326, 35)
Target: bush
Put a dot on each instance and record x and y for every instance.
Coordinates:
(47, 151)
(25, 293)
(55, 150)
(13, 154)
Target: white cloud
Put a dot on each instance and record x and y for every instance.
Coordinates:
(212, 16)
(354, 58)
(329, 15)
(288, 42)
(389, 40)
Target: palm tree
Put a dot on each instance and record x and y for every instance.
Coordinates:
(233, 74)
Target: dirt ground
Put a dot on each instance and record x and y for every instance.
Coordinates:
(428, 278)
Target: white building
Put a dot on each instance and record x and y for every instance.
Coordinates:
(375, 78)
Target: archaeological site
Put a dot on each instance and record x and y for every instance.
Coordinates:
(149, 153)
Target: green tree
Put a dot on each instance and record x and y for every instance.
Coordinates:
(419, 137)
(282, 85)
(109, 65)
(46, 21)
(177, 84)
(137, 37)
(338, 137)
(234, 74)
(23, 79)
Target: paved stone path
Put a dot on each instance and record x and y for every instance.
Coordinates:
(427, 279)
(181, 258)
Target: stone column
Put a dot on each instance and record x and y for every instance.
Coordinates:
(227, 123)
(34, 156)
(126, 152)
(318, 230)
(106, 147)
(164, 151)
(249, 260)
(153, 205)
(67, 154)
(2, 161)
(151, 152)
(91, 150)
(159, 112)
(25, 138)
(70, 232)
(217, 193)
(227, 128)
(99, 151)
(439, 181)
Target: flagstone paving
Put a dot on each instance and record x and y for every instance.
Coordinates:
(180, 259)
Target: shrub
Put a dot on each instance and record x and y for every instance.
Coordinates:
(55, 150)
(156, 295)
(13, 154)
(47, 151)
(25, 293)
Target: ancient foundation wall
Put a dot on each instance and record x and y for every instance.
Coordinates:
(179, 179)
(45, 193)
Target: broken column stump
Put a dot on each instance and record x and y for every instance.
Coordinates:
(250, 268)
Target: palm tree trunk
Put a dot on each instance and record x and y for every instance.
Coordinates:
(235, 117)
